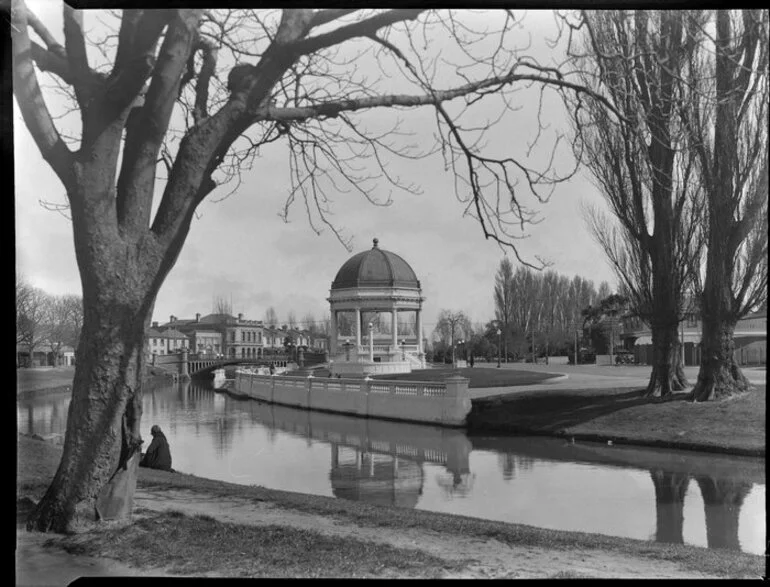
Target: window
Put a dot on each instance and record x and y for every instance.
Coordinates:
(243, 336)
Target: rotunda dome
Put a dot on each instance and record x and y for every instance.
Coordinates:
(375, 268)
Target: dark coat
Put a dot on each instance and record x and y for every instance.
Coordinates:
(158, 455)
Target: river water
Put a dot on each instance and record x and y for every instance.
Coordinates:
(702, 499)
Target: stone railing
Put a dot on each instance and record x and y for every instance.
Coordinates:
(445, 403)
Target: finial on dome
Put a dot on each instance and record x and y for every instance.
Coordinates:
(376, 242)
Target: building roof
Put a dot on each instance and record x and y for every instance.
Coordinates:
(375, 268)
(172, 333)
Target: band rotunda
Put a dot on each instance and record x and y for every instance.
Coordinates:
(376, 315)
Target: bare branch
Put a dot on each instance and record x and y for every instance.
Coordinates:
(321, 17)
(31, 103)
(362, 28)
(76, 54)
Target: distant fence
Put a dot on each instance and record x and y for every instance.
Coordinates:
(445, 403)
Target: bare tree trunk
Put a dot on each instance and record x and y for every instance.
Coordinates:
(103, 422)
(667, 371)
(719, 375)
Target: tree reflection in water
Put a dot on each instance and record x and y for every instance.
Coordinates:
(509, 462)
(670, 489)
(722, 501)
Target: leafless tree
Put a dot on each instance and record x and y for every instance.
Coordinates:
(223, 306)
(271, 318)
(728, 129)
(155, 111)
(452, 326)
(31, 303)
(291, 319)
(309, 323)
(641, 62)
(504, 302)
(62, 321)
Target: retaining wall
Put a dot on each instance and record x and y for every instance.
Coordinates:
(445, 403)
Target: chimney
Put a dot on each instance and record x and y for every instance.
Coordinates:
(172, 318)
(154, 324)
(240, 317)
(197, 316)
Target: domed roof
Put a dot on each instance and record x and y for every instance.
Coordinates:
(375, 268)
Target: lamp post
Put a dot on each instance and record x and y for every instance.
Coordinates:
(576, 331)
(403, 349)
(347, 349)
(459, 342)
(371, 343)
(498, 347)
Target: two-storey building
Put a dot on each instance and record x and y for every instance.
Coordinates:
(750, 338)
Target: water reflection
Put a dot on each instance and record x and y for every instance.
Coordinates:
(666, 496)
(375, 478)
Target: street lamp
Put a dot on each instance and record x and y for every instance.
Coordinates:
(499, 332)
(347, 346)
(403, 349)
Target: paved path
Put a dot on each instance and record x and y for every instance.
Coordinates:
(593, 377)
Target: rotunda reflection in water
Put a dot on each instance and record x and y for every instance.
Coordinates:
(375, 478)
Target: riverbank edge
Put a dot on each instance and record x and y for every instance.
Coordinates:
(724, 563)
(44, 391)
(621, 440)
(510, 430)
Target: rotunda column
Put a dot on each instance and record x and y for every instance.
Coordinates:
(420, 350)
(358, 330)
(333, 338)
(394, 328)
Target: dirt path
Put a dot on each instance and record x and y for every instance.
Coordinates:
(492, 559)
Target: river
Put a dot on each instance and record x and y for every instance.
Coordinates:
(708, 500)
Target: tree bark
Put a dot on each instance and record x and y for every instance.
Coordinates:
(103, 422)
(667, 370)
(719, 376)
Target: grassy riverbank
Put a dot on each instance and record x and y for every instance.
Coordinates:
(733, 426)
(253, 531)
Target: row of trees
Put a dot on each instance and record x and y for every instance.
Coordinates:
(45, 321)
(684, 170)
(546, 306)
(308, 322)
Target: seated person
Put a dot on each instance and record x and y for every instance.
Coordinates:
(158, 455)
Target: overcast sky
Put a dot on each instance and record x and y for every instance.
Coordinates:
(240, 248)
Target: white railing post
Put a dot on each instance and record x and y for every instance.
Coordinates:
(457, 401)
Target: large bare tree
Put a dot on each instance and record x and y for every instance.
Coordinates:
(728, 126)
(641, 61)
(62, 319)
(156, 119)
(504, 302)
(31, 304)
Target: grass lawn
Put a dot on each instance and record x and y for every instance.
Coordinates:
(479, 376)
(735, 425)
(195, 545)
